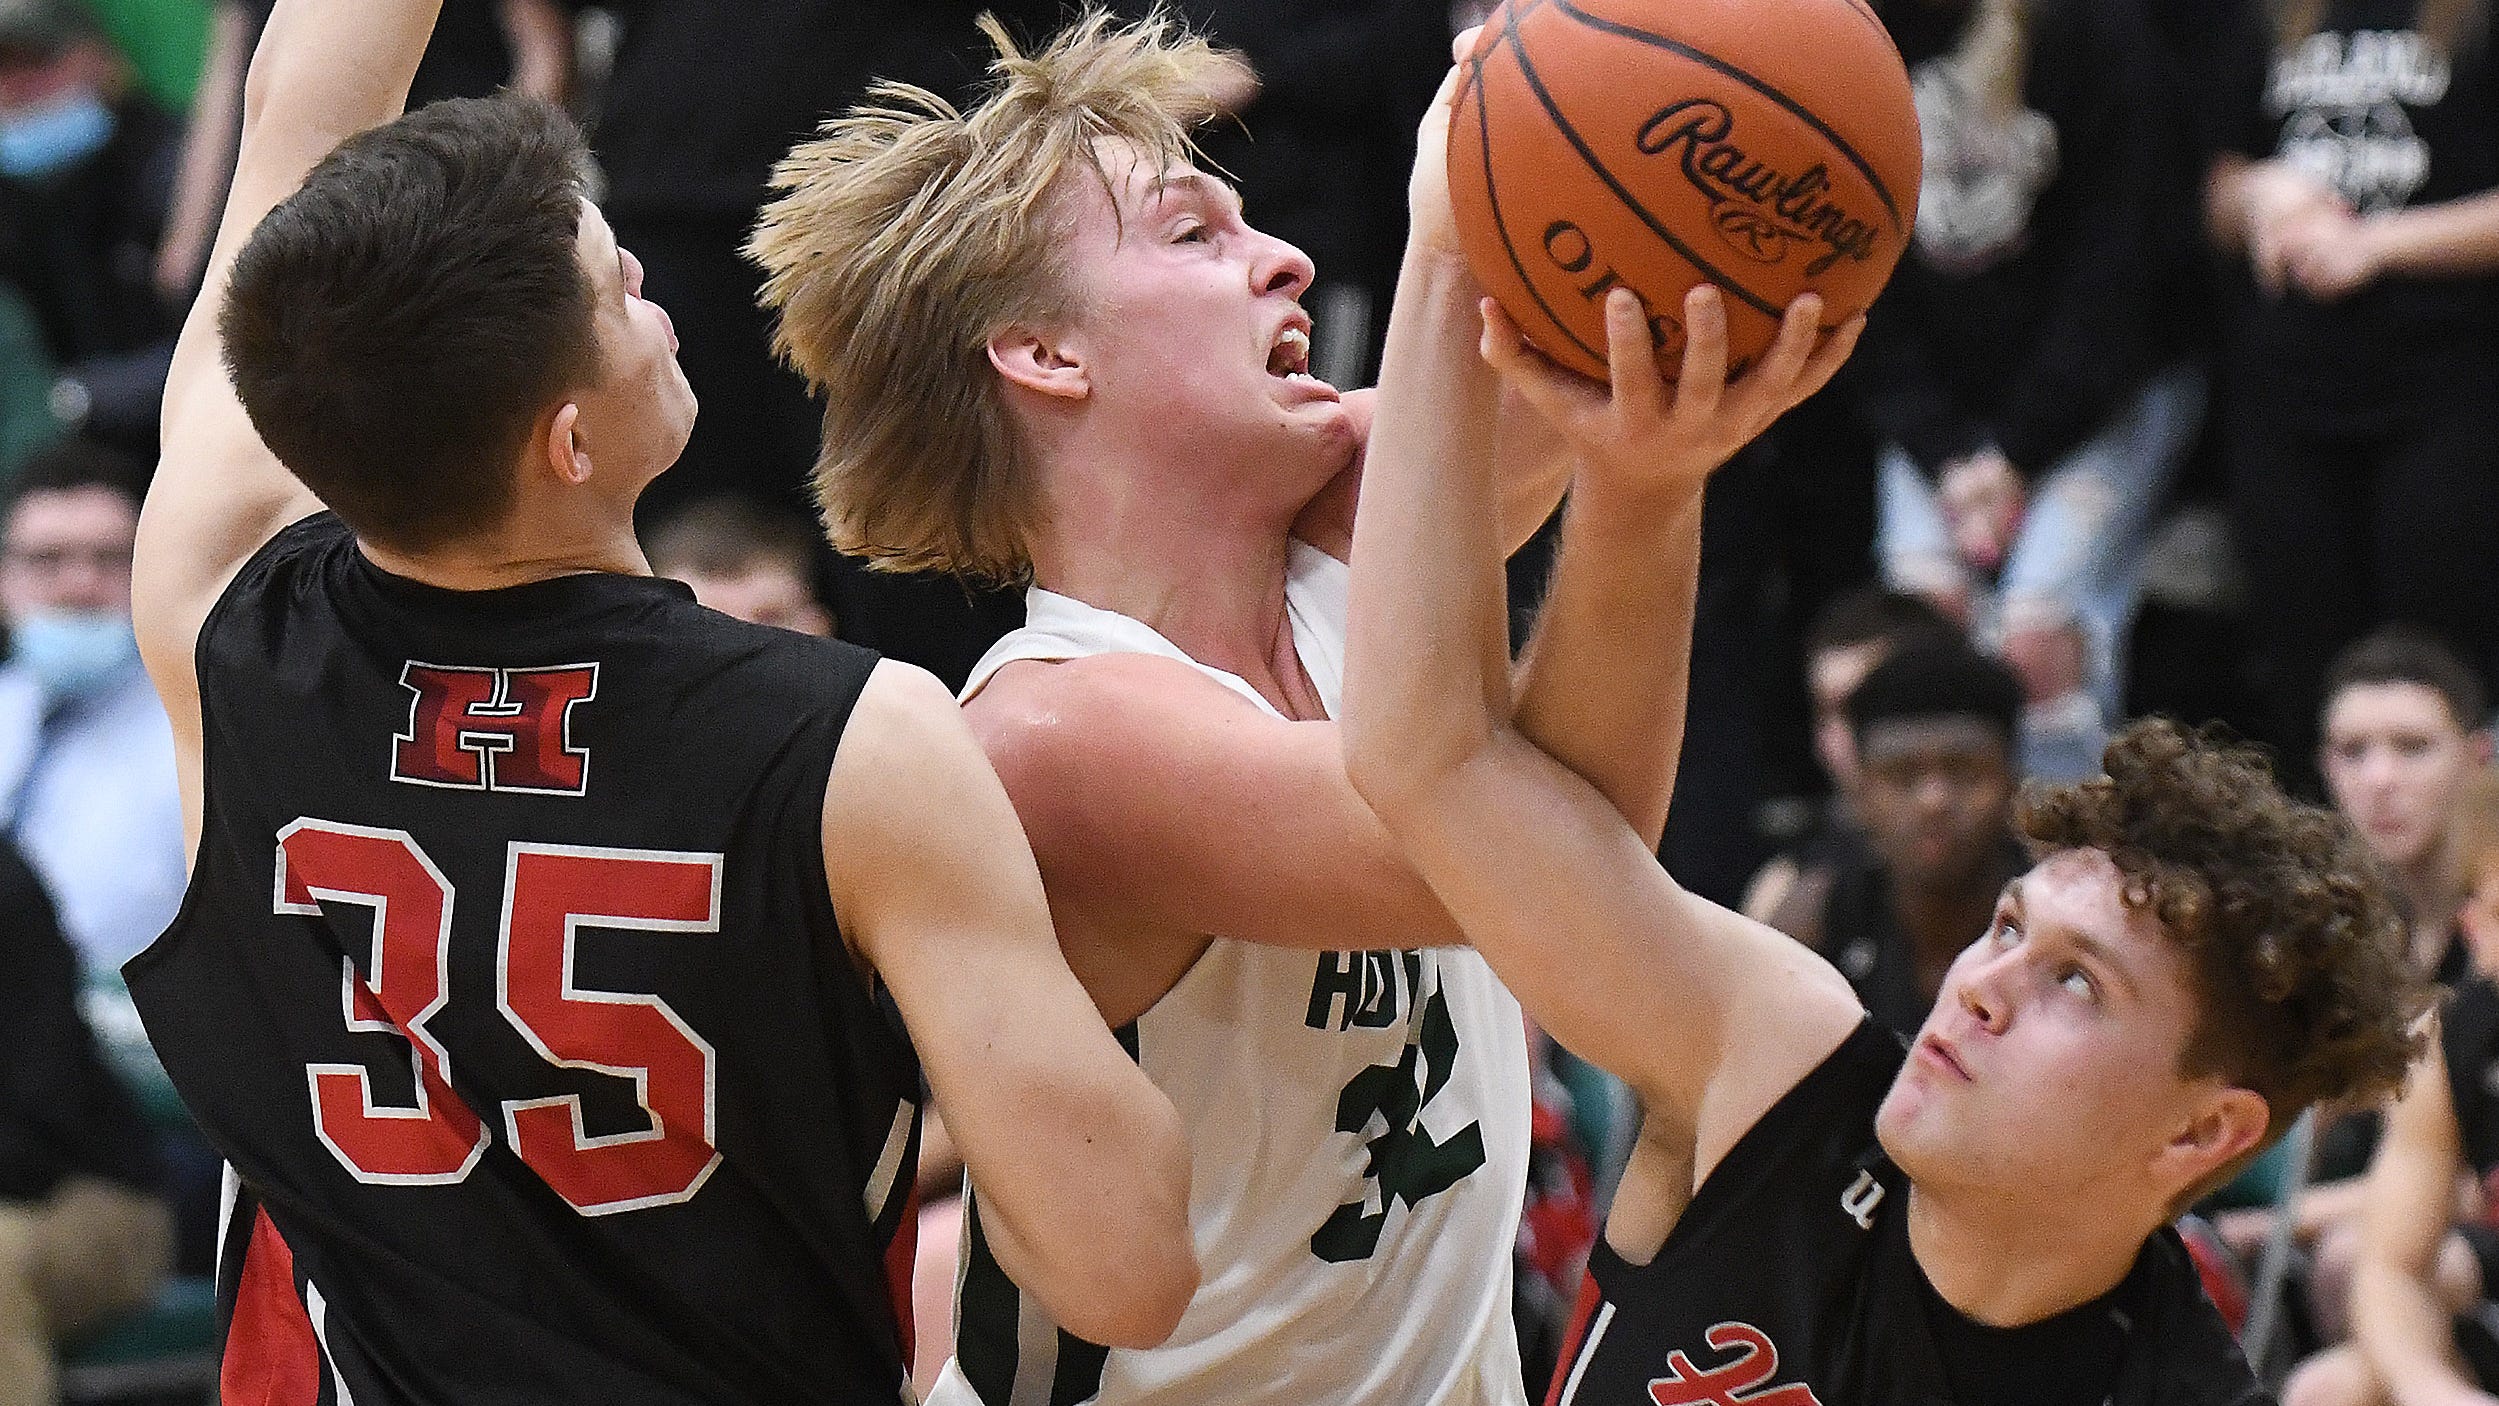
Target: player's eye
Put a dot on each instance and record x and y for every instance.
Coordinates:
(2007, 932)
(2079, 982)
(1191, 233)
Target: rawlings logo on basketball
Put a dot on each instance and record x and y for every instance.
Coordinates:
(1757, 209)
(1737, 1382)
(494, 729)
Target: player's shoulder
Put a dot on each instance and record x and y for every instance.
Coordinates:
(905, 744)
(2189, 1356)
(297, 562)
(1055, 705)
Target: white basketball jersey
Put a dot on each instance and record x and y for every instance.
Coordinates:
(1358, 1129)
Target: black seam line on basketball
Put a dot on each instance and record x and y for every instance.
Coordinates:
(1492, 198)
(1656, 226)
(1882, 192)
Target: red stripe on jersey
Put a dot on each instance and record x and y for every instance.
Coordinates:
(902, 1254)
(271, 1357)
(1589, 1297)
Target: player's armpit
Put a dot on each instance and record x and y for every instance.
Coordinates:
(1079, 1161)
(1156, 793)
(1708, 1016)
(2398, 1321)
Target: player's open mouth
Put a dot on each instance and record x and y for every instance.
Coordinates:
(1288, 360)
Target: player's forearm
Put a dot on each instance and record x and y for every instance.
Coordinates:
(541, 36)
(2449, 240)
(1603, 691)
(327, 69)
(1427, 661)
(1535, 465)
(207, 151)
(1100, 1230)
(2403, 1330)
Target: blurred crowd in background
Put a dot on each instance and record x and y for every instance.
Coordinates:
(2185, 400)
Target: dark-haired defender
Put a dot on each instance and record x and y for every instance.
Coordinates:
(1815, 1216)
(547, 933)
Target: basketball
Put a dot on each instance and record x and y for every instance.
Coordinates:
(1767, 146)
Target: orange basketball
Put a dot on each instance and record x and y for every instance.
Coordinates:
(1767, 146)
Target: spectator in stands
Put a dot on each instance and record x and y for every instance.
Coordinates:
(83, 1235)
(743, 559)
(479, 46)
(2403, 738)
(2405, 727)
(1852, 635)
(86, 756)
(26, 419)
(2017, 362)
(2358, 178)
(86, 173)
(2422, 1332)
(1934, 728)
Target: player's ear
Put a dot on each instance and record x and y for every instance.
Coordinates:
(1040, 362)
(2225, 1127)
(559, 445)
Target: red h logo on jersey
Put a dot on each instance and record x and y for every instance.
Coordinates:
(1734, 1383)
(494, 729)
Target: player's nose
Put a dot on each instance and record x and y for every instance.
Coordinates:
(1281, 267)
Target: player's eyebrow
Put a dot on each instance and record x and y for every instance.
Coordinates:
(1193, 184)
(2106, 958)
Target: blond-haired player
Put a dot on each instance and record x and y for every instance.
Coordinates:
(1052, 349)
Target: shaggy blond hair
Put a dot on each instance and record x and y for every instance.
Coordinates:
(908, 234)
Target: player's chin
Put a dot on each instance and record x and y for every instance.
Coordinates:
(1324, 418)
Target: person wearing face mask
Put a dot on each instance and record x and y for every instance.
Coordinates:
(86, 176)
(86, 756)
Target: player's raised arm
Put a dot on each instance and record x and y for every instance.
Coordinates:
(1604, 684)
(1537, 865)
(325, 70)
(1078, 1162)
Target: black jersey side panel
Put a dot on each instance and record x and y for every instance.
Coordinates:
(509, 983)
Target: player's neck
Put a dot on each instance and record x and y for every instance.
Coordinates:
(2007, 1262)
(519, 552)
(1208, 579)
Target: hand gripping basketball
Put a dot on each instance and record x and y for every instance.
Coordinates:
(1769, 147)
(1643, 434)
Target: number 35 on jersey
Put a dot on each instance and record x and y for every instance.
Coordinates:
(549, 893)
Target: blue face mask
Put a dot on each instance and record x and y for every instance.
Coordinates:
(46, 140)
(70, 652)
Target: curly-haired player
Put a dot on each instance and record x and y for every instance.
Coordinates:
(1814, 1215)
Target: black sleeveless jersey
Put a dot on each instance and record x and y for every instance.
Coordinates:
(509, 985)
(2468, 1035)
(1789, 1282)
